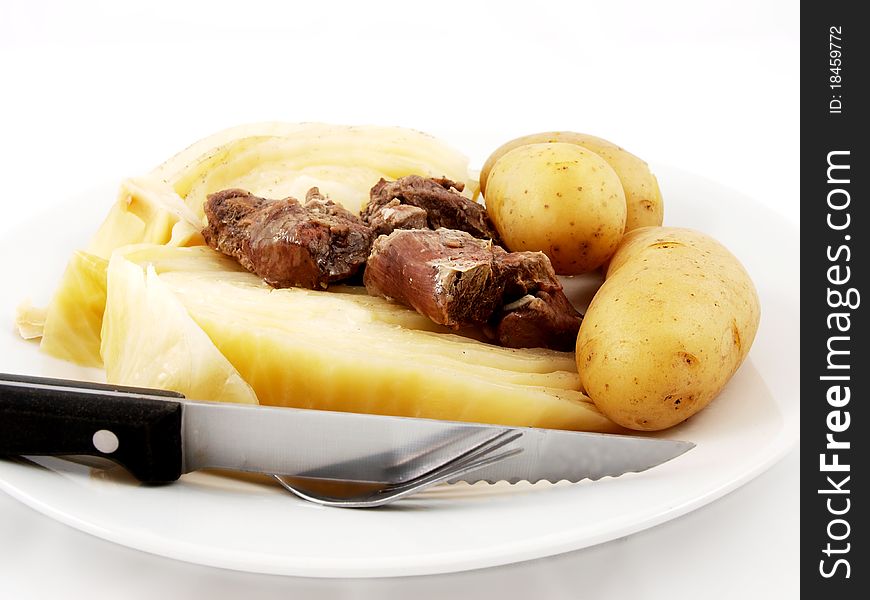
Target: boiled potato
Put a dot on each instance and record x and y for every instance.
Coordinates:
(671, 324)
(642, 195)
(560, 199)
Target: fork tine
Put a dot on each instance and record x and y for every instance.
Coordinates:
(446, 475)
(457, 463)
(474, 458)
(460, 464)
(390, 494)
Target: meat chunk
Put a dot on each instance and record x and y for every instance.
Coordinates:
(415, 202)
(457, 280)
(446, 275)
(536, 312)
(285, 242)
(395, 215)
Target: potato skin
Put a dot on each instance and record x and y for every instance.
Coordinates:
(643, 197)
(671, 324)
(560, 199)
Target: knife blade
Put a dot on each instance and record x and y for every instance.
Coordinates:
(158, 436)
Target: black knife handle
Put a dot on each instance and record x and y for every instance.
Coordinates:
(140, 429)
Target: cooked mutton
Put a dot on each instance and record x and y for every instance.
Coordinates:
(446, 275)
(457, 280)
(416, 202)
(285, 242)
(536, 312)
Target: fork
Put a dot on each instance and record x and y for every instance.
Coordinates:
(346, 494)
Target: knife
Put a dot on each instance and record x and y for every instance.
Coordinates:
(160, 435)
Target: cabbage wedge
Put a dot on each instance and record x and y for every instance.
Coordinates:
(74, 316)
(149, 340)
(342, 350)
(276, 160)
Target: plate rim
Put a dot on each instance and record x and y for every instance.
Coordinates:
(445, 562)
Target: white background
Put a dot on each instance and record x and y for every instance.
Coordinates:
(91, 91)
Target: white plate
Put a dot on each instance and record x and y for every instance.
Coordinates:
(252, 525)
